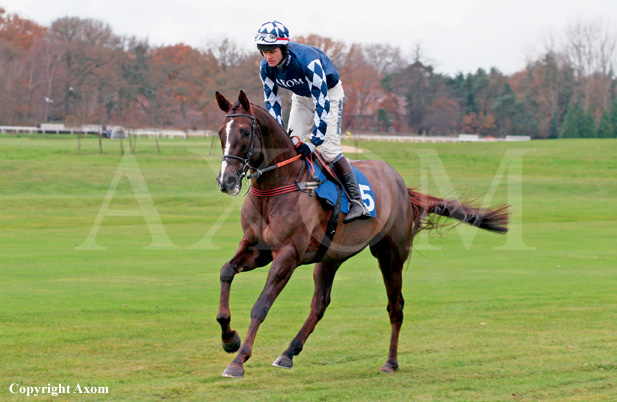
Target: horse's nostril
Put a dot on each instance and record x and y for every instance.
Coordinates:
(230, 182)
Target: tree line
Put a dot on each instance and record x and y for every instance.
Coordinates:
(78, 71)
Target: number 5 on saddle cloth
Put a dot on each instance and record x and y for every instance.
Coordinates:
(328, 191)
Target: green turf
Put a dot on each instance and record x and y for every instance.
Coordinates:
(530, 317)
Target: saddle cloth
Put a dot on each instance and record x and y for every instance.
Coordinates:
(328, 191)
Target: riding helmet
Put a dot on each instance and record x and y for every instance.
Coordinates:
(272, 35)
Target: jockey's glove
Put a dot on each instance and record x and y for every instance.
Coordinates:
(305, 149)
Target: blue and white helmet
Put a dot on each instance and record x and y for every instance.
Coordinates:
(271, 35)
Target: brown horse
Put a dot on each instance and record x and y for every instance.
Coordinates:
(287, 229)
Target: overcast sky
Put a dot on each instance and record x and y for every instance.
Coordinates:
(455, 35)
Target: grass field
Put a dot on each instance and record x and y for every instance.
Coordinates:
(531, 317)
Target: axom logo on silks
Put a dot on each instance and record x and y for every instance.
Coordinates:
(289, 83)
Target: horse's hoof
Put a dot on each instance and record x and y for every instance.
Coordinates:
(284, 362)
(233, 372)
(388, 368)
(234, 345)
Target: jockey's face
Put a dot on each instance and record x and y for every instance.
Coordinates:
(273, 57)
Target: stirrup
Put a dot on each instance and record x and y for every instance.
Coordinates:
(364, 215)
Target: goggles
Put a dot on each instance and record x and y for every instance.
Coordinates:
(261, 37)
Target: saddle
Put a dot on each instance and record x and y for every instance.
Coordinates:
(329, 188)
(331, 192)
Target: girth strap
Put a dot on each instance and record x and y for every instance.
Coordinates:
(326, 242)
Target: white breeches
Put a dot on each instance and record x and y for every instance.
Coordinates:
(302, 121)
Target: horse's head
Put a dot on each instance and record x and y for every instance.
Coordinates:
(239, 136)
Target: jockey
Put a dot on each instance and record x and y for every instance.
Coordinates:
(316, 103)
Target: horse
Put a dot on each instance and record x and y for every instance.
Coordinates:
(285, 226)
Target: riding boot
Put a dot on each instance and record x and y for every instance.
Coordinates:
(357, 209)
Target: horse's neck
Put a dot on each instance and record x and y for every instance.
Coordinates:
(276, 148)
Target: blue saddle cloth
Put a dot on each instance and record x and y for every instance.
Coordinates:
(328, 191)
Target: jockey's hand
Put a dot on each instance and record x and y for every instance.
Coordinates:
(305, 149)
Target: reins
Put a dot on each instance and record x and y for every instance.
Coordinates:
(289, 188)
(259, 172)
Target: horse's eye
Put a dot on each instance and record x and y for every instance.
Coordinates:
(246, 133)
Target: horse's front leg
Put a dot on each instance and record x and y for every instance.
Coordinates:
(324, 277)
(283, 266)
(248, 256)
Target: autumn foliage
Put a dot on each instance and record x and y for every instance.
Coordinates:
(78, 71)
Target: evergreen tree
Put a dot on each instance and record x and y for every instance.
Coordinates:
(457, 87)
(570, 127)
(420, 86)
(605, 129)
(523, 122)
(383, 121)
(512, 116)
(614, 116)
(586, 126)
(554, 131)
(503, 109)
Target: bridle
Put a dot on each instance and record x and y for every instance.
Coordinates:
(246, 165)
(246, 161)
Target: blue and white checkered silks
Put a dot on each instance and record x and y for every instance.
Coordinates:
(274, 106)
(276, 28)
(319, 92)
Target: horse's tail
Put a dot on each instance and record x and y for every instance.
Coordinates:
(492, 219)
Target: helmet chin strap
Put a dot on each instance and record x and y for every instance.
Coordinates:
(282, 62)
(284, 51)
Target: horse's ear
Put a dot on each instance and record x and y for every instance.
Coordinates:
(223, 103)
(244, 101)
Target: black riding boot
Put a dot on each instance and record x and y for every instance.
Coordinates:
(357, 209)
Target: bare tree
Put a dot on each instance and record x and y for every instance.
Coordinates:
(384, 58)
(50, 55)
(89, 47)
(18, 83)
(336, 50)
(227, 53)
(591, 48)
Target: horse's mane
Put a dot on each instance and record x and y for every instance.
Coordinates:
(264, 118)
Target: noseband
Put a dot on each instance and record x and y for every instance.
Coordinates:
(246, 164)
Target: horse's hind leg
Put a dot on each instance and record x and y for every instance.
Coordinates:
(247, 257)
(323, 276)
(391, 265)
